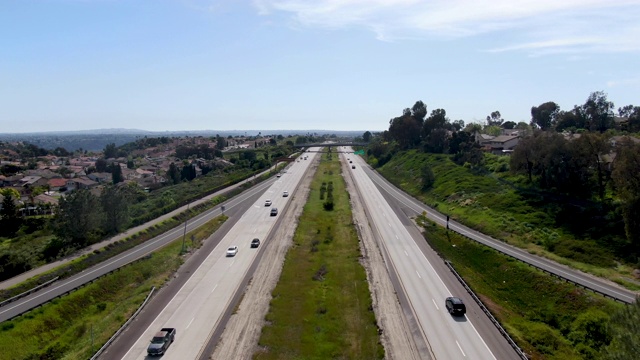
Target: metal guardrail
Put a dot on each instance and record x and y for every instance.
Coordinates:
(21, 295)
(124, 326)
(487, 312)
(547, 271)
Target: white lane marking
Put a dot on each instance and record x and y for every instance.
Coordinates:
(460, 347)
(190, 323)
(481, 339)
(406, 253)
(434, 303)
(389, 224)
(418, 274)
(214, 288)
(230, 265)
(254, 230)
(397, 238)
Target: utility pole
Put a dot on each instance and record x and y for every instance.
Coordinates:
(185, 229)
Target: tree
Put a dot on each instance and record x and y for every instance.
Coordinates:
(10, 222)
(101, 165)
(495, 119)
(599, 112)
(405, 130)
(632, 113)
(458, 125)
(437, 120)
(130, 164)
(509, 125)
(571, 120)
(110, 151)
(595, 147)
(419, 111)
(116, 173)
(173, 174)
(77, 218)
(115, 203)
(544, 115)
(625, 333)
(428, 177)
(366, 137)
(188, 172)
(437, 141)
(626, 177)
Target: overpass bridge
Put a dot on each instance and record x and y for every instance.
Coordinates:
(330, 144)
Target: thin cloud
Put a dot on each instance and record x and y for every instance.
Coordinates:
(533, 25)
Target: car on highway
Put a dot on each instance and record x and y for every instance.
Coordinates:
(267, 202)
(285, 194)
(274, 211)
(255, 243)
(455, 306)
(353, 166)
(161, 341)
(232, 251)
(278, 175)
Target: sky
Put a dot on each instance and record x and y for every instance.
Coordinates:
(166, 65)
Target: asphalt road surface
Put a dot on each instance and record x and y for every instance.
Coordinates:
(197, 309)
(447, 337)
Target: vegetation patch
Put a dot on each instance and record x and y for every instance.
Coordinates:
(547, 317)
(77, 325)
(495, 202)
(321, 307)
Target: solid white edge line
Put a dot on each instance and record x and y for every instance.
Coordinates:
(460, 347)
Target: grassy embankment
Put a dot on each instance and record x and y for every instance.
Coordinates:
(548, 318)
(527, 219)
(76, 325)
(321, 307)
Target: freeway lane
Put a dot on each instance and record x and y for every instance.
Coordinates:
(198, 307)
(448, 337)
(13, 309)
(414, 207)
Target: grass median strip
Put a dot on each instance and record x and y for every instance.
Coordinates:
(321, 307)
(76, 325)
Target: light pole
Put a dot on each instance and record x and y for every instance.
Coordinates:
(185, 229)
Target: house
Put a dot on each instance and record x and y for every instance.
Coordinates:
(101, 177)
(84, 183)
(483, 139)
(33, 181)
(503, 144)
(45, 199)
(56, 183)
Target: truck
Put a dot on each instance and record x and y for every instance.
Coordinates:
(161, 341)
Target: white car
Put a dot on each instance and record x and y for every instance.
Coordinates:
(267, 203)
(285, 194)
(232, 251)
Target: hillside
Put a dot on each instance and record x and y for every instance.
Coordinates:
(582, 234)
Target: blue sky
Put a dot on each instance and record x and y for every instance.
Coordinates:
(305, 64)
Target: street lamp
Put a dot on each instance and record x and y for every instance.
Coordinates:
(185, 229)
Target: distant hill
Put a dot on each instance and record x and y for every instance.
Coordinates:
(96, 140)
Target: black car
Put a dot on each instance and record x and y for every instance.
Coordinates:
(274, 211)
(255, 243)
(455, 306)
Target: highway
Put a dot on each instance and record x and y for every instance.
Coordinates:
(197, 309)
(61, 287)
(447, 337)
(412, 207)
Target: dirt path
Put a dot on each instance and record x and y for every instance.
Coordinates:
(240, 338)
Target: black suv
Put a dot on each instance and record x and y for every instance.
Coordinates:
(255, 243)
(455, 306)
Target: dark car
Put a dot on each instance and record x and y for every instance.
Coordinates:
(274, 211)
(255, 243)
(161, 341)
(353, 166)
(455, 306)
